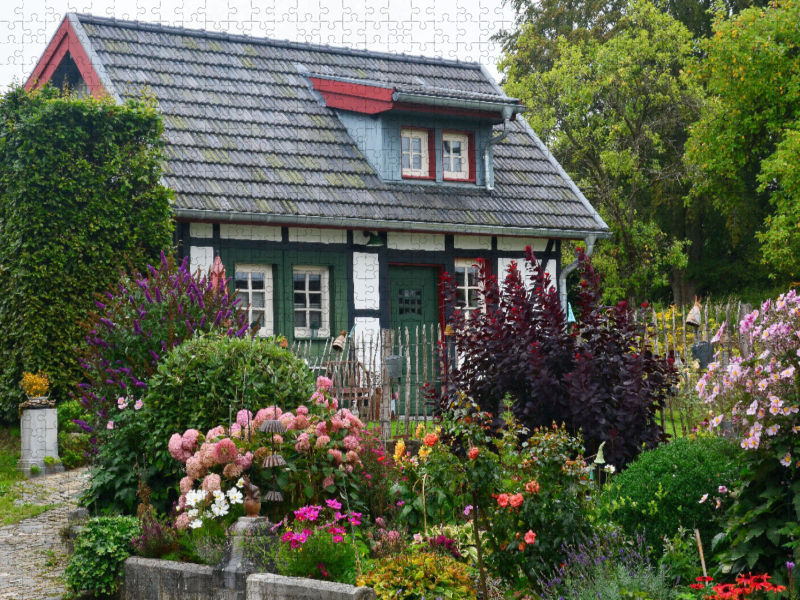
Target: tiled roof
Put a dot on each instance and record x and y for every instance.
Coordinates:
(245, 134)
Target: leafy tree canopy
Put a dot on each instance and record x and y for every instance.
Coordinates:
(80, 192)
(615, 114)
(746, 147)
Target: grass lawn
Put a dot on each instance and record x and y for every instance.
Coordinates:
(10, 510)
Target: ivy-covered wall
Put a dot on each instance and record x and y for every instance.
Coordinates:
(80, 196)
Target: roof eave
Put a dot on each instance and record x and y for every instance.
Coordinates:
(193, 214)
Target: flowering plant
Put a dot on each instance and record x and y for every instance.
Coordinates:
(318, 544)
(321, 447)
(35, 385)
(759, 394)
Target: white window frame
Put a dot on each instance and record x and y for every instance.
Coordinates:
(463, 284)
(325, 303)
(463, 139)
(409, 134)
(268, 324)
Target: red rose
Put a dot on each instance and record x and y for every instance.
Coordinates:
(473, 453)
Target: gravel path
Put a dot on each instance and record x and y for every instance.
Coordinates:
(32, 556)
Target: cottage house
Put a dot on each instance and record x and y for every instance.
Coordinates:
(336, 185)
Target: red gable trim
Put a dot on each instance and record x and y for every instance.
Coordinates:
(65, 40)
(355, 97)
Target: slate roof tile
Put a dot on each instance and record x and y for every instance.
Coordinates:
(245, 133)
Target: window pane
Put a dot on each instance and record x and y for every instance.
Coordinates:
(257, 281)
(299, 281)
(460, 296)
(472, 275)
(460, 275)
(299, 300)
(257, 317)
(416, 145)
(315, 300)
(446, 164)
(446, 147)
(405, 144)
(456, 165)
(417, 162)
(243, 298)
(300, 318)
(456, 147)
(473, 297)
(241, 281)
(316, 319)
(257, 299)
(314, 282)
(406, 161)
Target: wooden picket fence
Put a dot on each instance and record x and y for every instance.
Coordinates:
(361, 380)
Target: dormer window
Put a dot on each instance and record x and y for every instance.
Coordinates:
(458, 156)
(417, 154)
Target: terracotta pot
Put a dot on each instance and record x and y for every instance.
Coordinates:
(252, 507)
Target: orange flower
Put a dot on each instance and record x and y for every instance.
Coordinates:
(532, 486)
(431, 439)
(473, 453)
(502, 500)
(517, 500)
(521, 546)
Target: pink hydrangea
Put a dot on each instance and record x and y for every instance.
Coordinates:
(303, 444)
(182, 522)
(351, 442)
(225, 451)
(322, 441)
(194, 468)
(286, 419)
(175, 446)
(336, 424)
(216, 432)
(236, 431)
(245, 460)
(318, 398)
(182, 502)
(324, 383)
(337, 456)
(278, 439)
(301, 410)
(232, 471)
(268, 414)
(352, 456)
(244, 417)
(300, 423)
(348, 469)
(328, 481)
(186, 484)
(334, 404)
(321, 429)
(207, 455)
(212, 482)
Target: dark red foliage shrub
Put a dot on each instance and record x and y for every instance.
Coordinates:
(597, 375)
(139, 320)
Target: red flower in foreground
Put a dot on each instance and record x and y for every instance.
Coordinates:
(430, 439)
(502, 500)
(473, 453)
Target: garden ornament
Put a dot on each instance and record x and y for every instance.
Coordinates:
(694, 318)
(217, 273)
(339, 343)
(252, 501)
(600, 460)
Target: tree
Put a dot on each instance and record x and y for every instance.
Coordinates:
(616, 114)
(80, 193)
(746, 146)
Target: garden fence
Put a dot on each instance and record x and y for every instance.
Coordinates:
(361, 382)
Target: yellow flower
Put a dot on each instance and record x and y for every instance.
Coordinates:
(420, 432)
(399, 451)
(424, 452)
(35, 385)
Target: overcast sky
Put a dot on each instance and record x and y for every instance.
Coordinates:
(451, 29)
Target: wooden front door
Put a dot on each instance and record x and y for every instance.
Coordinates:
(414, 307)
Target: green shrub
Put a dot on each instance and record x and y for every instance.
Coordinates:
(662, 489)
(102, 546)
(68, 412)
(420, 576)
(198, 385)
(80, 188)
(320, 557)
(74, 449)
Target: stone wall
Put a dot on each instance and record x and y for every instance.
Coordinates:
(152, 579)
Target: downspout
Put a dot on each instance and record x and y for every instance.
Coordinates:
(488, 171)
(562, 279)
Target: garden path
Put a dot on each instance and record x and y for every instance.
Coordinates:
(32, 555)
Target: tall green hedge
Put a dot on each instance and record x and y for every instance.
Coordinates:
(80, 196)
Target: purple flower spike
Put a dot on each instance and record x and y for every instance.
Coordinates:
(154, 355)
(158, 295)
(99, 304)
(83, 425)
(153, 272)
(189, 325)
(148, 296)
(107, 323)
(202, 322)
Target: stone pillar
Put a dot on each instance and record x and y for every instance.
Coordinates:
(229, 577)
(39, 437)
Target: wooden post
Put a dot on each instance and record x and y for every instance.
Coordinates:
(425, 369)
(386, 385)
(417, 388)
(408, 382)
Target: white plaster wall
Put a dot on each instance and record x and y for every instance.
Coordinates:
(317, 236)
(526, 270)
(366, 277)
(415, 241)
(259, 233)
(201, 257)
(512, 244)
(360, 238)
(369, 328)
(473, 242)
(201, 230)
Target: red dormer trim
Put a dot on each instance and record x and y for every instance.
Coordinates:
(65, 40)
(355, 97)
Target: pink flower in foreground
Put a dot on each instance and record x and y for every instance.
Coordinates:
(245, 460)
(110, 425)
(324, 383)
(218, 431)
(182, 522)
(244, 417)
(328, 481)
(530, 537)
(186, 484)
(225, 451)
(301, 410)
(212, 482)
